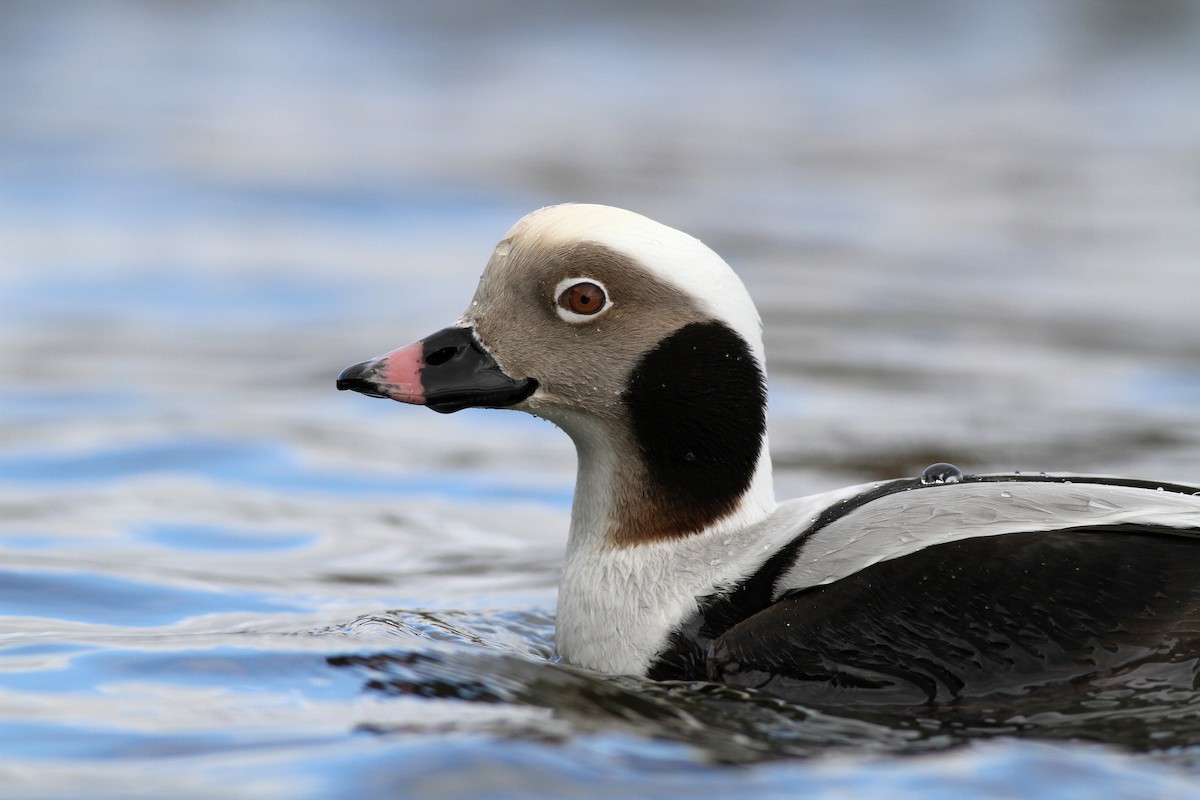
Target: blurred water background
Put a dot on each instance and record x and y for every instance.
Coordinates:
(973, 229)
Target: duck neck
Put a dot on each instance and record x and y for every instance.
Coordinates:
(619, 600)
(670, 492)
(622, 502)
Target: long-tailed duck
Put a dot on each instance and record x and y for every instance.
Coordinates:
(644, 346)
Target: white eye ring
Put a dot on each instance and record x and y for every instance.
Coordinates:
(575, 318)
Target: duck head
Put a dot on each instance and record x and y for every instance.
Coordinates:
(634, 338)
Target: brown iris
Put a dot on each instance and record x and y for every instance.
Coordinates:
(582, 298)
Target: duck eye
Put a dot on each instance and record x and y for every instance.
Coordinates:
(585, 298)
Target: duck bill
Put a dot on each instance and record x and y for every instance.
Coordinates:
(448, 371)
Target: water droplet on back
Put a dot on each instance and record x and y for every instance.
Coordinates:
(941, 473)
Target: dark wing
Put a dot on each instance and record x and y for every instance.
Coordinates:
(979, 617)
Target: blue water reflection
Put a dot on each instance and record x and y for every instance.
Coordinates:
(212, 537)
(229, 668)
(104, 600)
(28, 740)
(262, 464)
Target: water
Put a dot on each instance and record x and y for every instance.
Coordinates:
(973, 230)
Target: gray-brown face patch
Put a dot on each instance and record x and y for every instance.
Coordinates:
(587, 367)
(582, 366)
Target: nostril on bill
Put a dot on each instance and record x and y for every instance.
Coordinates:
(440, 356)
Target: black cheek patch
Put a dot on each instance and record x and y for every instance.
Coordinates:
(697, 403)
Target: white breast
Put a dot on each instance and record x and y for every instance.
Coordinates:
(618, 606)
